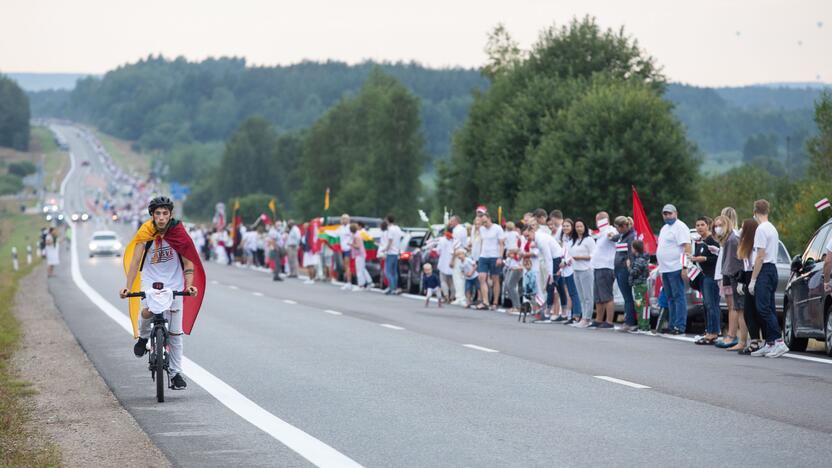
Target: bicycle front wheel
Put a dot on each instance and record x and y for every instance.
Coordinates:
(159, 357)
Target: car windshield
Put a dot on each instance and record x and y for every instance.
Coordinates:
(104, 237)
(783, 255)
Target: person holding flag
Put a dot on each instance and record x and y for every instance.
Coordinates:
(163, 252)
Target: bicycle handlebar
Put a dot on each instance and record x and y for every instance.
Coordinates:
(142, 295)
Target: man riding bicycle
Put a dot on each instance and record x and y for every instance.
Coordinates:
(163, 252)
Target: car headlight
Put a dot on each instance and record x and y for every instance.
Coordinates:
(117, 246)
(85, 217)
(93, 246)
(49, 217)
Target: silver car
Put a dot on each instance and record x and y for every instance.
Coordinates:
(105, 243)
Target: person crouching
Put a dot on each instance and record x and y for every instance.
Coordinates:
(431, 285)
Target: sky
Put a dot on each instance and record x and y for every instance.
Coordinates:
(700, 42)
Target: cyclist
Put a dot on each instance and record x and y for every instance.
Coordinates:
(162, 251)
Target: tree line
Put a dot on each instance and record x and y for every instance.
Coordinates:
(14, 115)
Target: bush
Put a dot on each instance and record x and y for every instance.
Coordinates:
(10, 184)
(22, 168)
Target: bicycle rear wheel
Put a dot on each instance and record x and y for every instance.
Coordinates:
(159, 358)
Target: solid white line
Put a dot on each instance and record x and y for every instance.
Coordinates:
(392, 327)
(807, 358)
(305, 445)
(289, 301)
(333, 312)
(258, 294)
(688, 339)
(622, 382)
(215, 282)
(233, 287)
(480, 348)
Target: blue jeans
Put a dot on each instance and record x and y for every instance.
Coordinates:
(572, 289)
(622, 277)
(764, 300)
(710, 298)
(674, 288)
(391, 270)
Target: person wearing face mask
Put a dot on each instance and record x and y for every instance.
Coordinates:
(673, 247)
(729, 267)
(706, 251)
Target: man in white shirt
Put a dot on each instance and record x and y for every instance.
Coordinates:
(292, 245)
(492, 239)
(541, 242)
(763, 282)
(345, 240)
(391, 261)
(673, 247)
(460, 240)
(603, 263)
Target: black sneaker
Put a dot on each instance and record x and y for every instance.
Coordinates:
(677, 332)
(605, 326)
(140, 347)
(177, 382)
(594, 324)
(560, 318)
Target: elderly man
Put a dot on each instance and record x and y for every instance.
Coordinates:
(672, 251)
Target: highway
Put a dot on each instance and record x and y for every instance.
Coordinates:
(345, 378)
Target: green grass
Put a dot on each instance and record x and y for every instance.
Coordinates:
(18, 445)
(56, 162)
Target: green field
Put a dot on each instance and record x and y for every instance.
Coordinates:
(18, 445)
(123, 155)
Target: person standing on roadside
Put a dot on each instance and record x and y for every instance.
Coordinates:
(705, 254)
(623, 260)
(359, 253)
(763, 282)
(393, 249)
(490, 263)
(603, 265)
(277, 249)
(460, 240)
(514, 267)
(673, 247)
(292, 246)
(345, 240)
(583, 246)
(730, 267)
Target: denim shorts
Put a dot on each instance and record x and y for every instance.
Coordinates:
(346, 255)
(472, 285)
(488, 265)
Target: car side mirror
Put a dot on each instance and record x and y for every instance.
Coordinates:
(797, 264)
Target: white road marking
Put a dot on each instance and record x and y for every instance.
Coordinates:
(807, 358)
(333, 312)
(392, 327)
(258, 294)
(480, 348)
(305, 445)
(232, 286)
(621, 382)
(215, 282)
(289, 301)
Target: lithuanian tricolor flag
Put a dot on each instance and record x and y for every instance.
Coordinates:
(329, 234)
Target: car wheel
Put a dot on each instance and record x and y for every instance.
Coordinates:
(92, 255)
(829, 331)
(794, 343)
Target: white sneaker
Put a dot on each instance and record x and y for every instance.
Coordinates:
(764, 351)
(778, 349)
(346, 286)
(309, 281)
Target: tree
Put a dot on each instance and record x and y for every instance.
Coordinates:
(14, 115)
(22, 168)
(499, 142)
(760, 145)
(820, 146)
(248, 163)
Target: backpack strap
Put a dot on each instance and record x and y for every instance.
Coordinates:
(147, 247)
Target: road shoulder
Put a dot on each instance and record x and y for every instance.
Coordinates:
(73, 405)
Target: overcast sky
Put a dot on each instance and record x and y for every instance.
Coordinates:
(702, 42)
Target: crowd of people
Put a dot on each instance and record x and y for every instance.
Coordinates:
(557, 268)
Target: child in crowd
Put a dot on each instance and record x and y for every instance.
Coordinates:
(469, 270)
(430, 284)
(530, 291)
(639, 270)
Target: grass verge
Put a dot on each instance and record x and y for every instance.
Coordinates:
(123, 155)
(19, 446)
(56, 162)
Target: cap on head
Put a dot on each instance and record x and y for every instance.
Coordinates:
(669, 209)
(482, 209)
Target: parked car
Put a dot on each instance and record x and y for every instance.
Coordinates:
(413, 256)
(105, 243)
(808, 305)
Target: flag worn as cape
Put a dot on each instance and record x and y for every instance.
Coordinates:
(182, 243)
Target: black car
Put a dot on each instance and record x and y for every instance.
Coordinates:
(808, 306)
(413, 255)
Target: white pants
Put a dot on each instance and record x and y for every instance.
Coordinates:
(433, 292)
(364, 277)
(174, 318)
(459, 281)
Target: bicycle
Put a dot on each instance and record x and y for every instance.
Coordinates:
(158, 345)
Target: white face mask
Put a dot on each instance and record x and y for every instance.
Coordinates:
(718, 230)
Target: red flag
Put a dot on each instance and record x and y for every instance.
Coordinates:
(642, 226)
(182, 243)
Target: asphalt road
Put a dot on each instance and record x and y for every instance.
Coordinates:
(386, 382)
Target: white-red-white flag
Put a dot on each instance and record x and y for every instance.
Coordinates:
(822, 204)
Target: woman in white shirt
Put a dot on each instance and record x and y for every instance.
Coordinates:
(514, 265)
(581, 251)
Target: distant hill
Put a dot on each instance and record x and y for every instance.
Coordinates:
(44, 81)
(159, 103)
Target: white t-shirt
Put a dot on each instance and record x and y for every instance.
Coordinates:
(566, 270)
(460, 237)
(513, 244)
(345, 237)
(766, 238)
(672, 241)
(162, 265)
(445, 247)
(604, 254)
(491, 238)
(829, 245)
(583, 249)
(394, 234)
(544, 243)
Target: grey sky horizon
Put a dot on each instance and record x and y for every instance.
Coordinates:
(705, 43)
